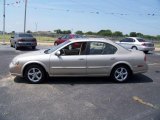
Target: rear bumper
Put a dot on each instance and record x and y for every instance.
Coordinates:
(26, 44)
(146, 48)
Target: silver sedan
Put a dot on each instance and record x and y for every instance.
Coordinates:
(80, 57)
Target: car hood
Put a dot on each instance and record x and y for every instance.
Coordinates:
(36, 55)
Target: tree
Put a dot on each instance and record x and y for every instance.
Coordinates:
(139, 35)
(90, 33)
(13, 32)
(133, 34)
(105, 33)
(79, 32)
(66, 32)
(158, 37)
(29, 31)
(117, 34)
(58, 31)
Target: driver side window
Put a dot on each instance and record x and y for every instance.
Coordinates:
(74, 49)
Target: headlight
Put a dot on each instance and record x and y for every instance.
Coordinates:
(15, 62)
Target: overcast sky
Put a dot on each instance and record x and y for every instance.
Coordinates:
(86, 15)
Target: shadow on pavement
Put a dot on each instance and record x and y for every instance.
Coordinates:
(139, 78)
(27, 49)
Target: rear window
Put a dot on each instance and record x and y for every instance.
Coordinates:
(141, 40)
(25, 35)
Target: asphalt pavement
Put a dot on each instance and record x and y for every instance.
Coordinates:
(79, 98)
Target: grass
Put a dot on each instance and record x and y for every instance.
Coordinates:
(157, 45)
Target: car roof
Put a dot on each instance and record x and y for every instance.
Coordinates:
(91, 39)
(134, 37)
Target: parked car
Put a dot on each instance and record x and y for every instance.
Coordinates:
(94, 57)
(67, 37)
(137, 44)
(23, 40)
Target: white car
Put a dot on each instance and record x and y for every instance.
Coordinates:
(137, 44)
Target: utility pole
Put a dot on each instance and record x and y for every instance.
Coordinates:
(36, 26)
(25, 12)
(4, 12)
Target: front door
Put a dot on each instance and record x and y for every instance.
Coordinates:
(71, 61)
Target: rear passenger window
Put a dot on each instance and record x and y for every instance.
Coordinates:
(100, 48)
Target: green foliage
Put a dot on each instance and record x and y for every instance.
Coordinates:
(29, 31)
(117, 34)
(133, 34)
(105, 33)
(79, 32)
(139, 35)
(59, 31)
(90, 33)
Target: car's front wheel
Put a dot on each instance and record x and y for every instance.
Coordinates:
(120, 73)
(34, 74)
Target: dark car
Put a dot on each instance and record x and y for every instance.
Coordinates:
(23, 40)
(67, 37)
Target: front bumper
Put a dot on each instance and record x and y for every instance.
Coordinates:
(15, 70)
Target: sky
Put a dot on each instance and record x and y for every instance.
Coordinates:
(88, 15)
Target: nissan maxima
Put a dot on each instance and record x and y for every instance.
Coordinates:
(80, 57)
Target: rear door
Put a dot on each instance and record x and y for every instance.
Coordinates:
(100, 57)
(127, 43)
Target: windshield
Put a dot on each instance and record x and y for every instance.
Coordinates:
(56, 47)
(25, 35)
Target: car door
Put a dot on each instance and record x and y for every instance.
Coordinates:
(100, 57)
(71, 61)
(127, 43)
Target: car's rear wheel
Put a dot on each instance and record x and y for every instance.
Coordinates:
(34, 74)
(120, 73)
(11, 44)
(33, 47)
(146, 52)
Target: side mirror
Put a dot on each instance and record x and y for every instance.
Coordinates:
(58, 53)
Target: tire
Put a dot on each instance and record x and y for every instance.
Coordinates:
(11, 45)
(34, 74)
(15, 46)
(146, 52)
(120, 73)
(33, 47)
(134, 48)
(55, 44)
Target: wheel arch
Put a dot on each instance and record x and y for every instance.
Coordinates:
(134, 46)
(34, 63)
(122, 63)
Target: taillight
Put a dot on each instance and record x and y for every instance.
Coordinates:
(143, 44)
